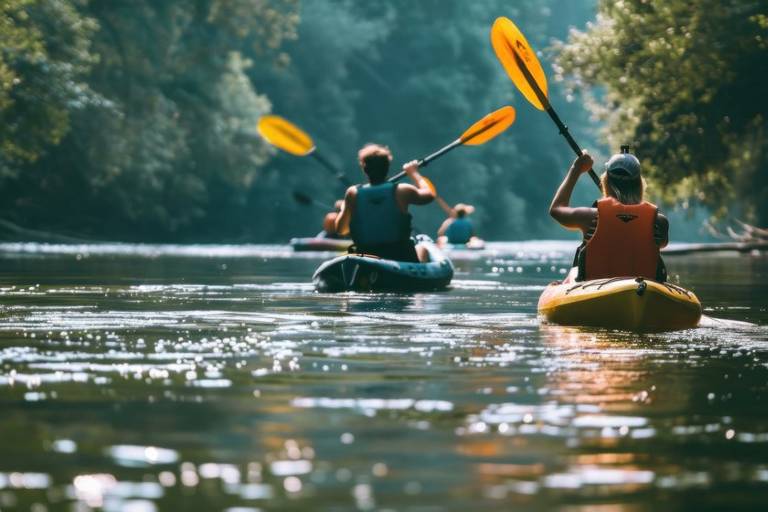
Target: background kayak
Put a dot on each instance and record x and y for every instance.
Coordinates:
(320, 244)
(473, 245)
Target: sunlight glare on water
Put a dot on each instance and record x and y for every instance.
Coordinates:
(139, 377)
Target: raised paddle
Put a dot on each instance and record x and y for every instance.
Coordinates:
(525, 71)
(445, 206)
(479, 133)
(285, 135)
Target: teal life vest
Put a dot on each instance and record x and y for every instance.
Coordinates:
(459, 231)
(377, 219)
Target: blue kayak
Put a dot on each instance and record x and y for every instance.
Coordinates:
(365, 273)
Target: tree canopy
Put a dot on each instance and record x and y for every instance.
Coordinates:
(684, 83)
(46, 56)
(135, 119)
(132, 115)
(414, 76)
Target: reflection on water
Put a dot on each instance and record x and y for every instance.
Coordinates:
(214, 378)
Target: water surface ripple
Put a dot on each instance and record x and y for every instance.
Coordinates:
(146, 378)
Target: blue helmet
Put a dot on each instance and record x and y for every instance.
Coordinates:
(623, 165)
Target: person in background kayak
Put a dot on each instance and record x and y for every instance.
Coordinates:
(376, 214)
(457, 229)
(329, 222)
(623, 234)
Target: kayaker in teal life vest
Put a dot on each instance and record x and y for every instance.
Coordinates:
(376, 214)
(457, 229)
(623, 234)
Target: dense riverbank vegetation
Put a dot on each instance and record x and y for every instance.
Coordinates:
(134, 119)
(685, 81)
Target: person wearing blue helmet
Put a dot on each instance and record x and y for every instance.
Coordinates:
(622, 233)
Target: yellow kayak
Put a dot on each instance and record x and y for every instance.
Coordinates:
(626, 303)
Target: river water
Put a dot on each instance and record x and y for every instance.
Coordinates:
(214, 378)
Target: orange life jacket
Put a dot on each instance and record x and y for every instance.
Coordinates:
(623, 242)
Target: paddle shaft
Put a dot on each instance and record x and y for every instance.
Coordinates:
(329, 166)
(428, 159)
(445, 206)
(552, 114)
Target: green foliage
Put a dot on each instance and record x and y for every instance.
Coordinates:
(46, 54)
(174, 124)
(684, 82)
(177, 75)
(134, 119)
(414, 76)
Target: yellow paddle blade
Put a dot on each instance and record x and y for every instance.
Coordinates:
(489, 127)
(508, 42)
(430, 185)
(285, 135)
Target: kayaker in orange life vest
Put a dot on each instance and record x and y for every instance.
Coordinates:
(329, 222)
(376, 214)
(623, 234)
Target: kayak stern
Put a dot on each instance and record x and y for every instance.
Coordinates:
(633, 304)
(363, 273)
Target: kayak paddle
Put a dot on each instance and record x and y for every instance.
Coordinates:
(439, 200)
(479, 133)
(524, 69)
(445, 206)
(285, 135)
